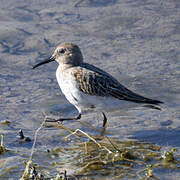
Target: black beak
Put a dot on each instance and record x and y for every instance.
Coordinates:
(52, 58)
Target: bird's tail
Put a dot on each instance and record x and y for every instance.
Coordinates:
(147, 101)
(128, 95)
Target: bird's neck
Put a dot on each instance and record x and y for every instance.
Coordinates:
(63, 67)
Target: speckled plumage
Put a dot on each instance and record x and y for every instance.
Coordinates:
(93, 81)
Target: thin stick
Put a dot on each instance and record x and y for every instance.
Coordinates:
(2, 140)
(89, 138)
(29, 164)
(112, 143)
(35, 139)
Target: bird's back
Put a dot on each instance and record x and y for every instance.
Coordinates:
(94, 81)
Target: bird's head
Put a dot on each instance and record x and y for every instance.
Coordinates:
(65, 54)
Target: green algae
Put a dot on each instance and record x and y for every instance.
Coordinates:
(168, 156)
(30, 172)
(98, 157)
(2, 148)
(5, 122)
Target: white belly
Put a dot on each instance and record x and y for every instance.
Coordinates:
(83, 101)
(70, 89)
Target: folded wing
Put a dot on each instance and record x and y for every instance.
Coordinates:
(96, 82)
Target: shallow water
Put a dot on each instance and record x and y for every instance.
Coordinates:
(135, 41)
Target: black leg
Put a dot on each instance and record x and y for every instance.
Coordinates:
(104, 120)
(63, 119)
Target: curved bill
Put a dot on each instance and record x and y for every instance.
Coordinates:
(52, 58)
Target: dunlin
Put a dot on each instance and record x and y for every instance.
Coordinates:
(86, 86)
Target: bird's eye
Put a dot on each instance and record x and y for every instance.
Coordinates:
(61, 51)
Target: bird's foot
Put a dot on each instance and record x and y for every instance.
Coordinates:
(104, 120)
(62, 119)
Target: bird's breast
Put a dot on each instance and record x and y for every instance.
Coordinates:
(68, 85)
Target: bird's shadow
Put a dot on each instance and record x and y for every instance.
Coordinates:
(161, 136)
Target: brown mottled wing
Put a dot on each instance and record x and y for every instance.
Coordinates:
(94, 81)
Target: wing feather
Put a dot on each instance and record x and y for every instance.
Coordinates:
(96, 82)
